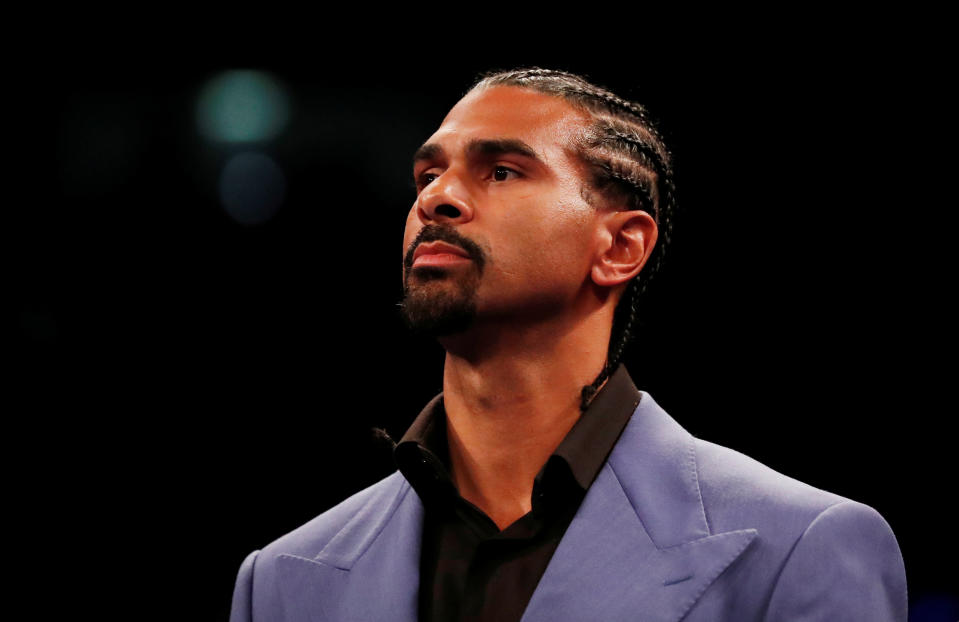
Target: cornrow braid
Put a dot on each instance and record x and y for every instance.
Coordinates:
(628, 163)
(632, 142)
(636, 189)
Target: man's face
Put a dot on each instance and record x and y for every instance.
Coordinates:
(499, 231)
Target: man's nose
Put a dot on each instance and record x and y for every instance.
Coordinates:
(445, 200)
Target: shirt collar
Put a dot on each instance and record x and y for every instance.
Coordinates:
(422, 455)
(591, 439)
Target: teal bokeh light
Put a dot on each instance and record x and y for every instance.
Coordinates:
(242, 106)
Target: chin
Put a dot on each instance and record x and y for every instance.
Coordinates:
(438, 311)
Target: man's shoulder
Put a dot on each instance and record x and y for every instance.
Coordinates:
(665, 467)
(790, 515)
(311, 538)
(827, 552)
(737, 489)
(293, 576)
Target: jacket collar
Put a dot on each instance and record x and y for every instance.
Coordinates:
(639, 542)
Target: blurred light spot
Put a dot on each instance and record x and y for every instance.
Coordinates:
(252, 187)
(242, 106)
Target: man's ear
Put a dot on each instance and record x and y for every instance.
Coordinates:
(625, 241)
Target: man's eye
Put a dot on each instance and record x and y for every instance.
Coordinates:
(502, 173)
(425, 179)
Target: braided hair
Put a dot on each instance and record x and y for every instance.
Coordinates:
(628, 163)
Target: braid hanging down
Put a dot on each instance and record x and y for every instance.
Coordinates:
(629, 163)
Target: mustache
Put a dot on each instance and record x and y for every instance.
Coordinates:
(437, 233)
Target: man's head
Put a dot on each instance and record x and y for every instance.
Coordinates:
(543, 186)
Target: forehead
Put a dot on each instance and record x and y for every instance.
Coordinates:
(547, 123)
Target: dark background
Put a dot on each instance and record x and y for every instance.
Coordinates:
(189, 388)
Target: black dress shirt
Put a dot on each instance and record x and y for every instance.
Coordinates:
(469, 569)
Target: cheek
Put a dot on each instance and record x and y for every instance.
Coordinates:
(568, 237)
(565, 255)
(554, 251)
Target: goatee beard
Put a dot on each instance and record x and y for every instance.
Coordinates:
(437, 302)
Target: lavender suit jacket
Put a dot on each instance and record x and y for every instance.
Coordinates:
(673, 528)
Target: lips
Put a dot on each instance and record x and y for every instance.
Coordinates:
(438, 253)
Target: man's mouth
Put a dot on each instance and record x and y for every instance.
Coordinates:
(439, 254)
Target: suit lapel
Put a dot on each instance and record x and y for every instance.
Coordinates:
(640, 546)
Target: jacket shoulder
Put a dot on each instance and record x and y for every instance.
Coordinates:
(272, 582)
(738, 491)
(311, 538)
(820, 556)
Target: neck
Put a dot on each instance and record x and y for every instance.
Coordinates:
(511, 396)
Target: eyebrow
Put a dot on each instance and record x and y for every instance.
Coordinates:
(488, 147)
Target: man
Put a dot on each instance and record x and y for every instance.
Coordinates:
(541, 484)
